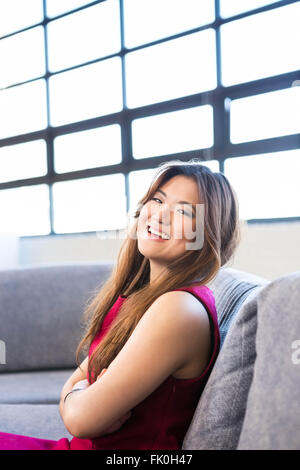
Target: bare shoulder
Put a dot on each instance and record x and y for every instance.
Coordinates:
(180, 318)
(181, 305)
(183, 312)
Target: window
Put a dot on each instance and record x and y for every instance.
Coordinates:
(17, 14)
(23, 109)
(266, 115)
(16, 64)
(21, 161)
(89, 204)
(58, 7)
(101, 27)
(271, 50)
(88, 149)
(25, 210)
(267, 185)
(178, 131)
(86, 92)
(169, 17)
(235, 7)
(175, 68)
(113, 88)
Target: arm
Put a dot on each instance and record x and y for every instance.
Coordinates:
(79, 374)
(162, 342)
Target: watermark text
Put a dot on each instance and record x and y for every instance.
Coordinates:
(296, 354)
(2, 352)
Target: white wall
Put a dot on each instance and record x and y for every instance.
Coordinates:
(268, 250)
(9, 250)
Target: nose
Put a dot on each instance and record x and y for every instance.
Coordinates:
(162, 215)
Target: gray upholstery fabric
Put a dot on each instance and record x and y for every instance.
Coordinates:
(272, 419)
(231, 287)
(33, 387)
(218, 419)
(42, 421)
(41, 312)
(40, 315)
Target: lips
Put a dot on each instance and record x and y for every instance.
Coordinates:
(163, 235)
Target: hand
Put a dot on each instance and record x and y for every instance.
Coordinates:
(119, 423)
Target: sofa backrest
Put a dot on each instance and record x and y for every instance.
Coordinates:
(273, 413)
(41, 310)
(218, 419)
(231, 287)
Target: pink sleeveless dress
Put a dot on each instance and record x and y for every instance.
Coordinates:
(160, 421)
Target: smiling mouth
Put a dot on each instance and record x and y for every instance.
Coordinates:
(156, 234)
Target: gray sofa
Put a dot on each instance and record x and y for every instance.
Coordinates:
(250, 400)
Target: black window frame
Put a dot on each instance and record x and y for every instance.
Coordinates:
(222, 147)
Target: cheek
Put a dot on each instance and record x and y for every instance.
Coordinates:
(143, 217)
(147, 211)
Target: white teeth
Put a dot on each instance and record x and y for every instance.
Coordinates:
(162, 234)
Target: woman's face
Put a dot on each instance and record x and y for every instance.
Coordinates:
(167, 214)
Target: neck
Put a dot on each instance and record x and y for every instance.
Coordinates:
(155, 270)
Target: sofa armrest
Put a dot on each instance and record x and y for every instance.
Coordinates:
(273, 414)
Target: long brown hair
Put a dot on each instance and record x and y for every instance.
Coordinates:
(131, 273)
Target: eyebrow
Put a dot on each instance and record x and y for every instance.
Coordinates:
(179, 202)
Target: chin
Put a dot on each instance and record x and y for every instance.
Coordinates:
(145, 249)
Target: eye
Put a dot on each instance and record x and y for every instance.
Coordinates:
(155, 199)
(185, 213)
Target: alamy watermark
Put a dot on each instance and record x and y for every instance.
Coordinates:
(296, 354)
(189, 228)
(2, 352)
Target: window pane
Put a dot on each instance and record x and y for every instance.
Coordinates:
(141, 15)
(90, 204)
(179, 131)
(22, 161)
(88, 149)
(19, 100)
(18, 14)
(139, 182)
(266, 115)
(16, 64)
(272, 50)
(180, 67)
(235, 7)
(100, 36)
(58, 7)
(25, 210)
(257, 180)
(87, 92)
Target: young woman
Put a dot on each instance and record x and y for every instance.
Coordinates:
(152, 334)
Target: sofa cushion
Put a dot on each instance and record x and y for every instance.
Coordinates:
(273, 414)
(42, 421)
(218, 419)
(231, 287)
(41, 311)
(33, 387)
